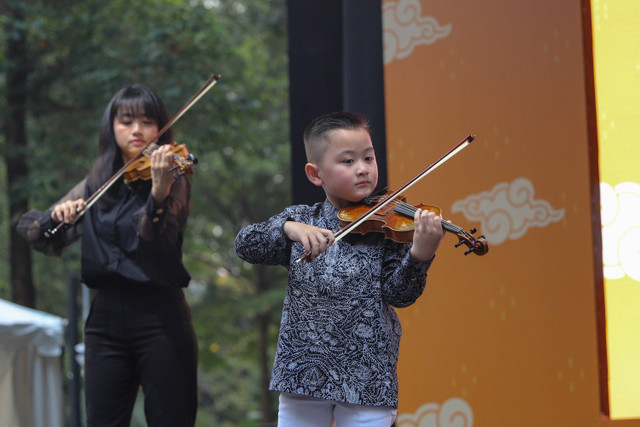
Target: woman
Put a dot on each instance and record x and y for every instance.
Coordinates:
(139, 330)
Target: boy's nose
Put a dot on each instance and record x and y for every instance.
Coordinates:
(362, 169)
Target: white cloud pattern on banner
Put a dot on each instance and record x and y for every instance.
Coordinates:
(508, 210)
(404, 29)
(620, 217)
(454, 412)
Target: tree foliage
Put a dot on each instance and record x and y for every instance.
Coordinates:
(78, 55)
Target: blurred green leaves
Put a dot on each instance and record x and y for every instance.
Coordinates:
(79, 54)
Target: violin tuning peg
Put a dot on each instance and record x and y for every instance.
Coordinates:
(193, 159)
(467, 252)
(473, 231)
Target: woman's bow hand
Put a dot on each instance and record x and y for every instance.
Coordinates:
(67, 211)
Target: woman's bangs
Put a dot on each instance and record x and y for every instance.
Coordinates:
(137, 106)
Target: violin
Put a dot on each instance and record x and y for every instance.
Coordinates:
(395, 221)
(140, 169)
(137, 165)
(478, 246)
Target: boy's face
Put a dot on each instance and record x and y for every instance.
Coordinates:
(348, 171)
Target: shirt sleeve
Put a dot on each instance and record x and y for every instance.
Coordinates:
(404, 278)
(37, 227)
(265, 242)
(164, 224)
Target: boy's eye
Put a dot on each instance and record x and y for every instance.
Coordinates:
(347, 161)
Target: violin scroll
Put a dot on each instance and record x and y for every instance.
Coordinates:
(478, 246)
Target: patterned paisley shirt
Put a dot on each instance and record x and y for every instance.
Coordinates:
(339, 334)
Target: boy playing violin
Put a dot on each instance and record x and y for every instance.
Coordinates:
(336, 359)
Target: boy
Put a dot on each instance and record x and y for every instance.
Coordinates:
(337, 350)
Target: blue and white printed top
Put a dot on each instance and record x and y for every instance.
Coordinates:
(339, 334)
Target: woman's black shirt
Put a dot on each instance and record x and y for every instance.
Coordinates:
(132, 242)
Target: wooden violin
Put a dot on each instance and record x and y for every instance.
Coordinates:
(479, 245)
(136, 165)
(183, 162)
(395, 221)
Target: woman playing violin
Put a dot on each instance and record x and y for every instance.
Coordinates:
(339, 335)
(139, 330)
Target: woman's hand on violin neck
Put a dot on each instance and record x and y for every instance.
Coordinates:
(314, 239)
(67, 211)
(427, 235)
(161, 176)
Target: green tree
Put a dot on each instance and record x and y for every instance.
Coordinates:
(72, 56)
(15, 142)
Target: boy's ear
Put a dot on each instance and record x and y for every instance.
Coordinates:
(312, 174)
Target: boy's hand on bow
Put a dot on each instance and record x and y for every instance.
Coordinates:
(314, 239)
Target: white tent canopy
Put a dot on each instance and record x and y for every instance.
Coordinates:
(31, 344)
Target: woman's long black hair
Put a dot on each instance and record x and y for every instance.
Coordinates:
(135, 101)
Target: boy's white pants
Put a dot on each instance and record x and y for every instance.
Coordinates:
(303, 411)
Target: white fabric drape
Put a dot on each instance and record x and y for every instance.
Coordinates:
(31, 344)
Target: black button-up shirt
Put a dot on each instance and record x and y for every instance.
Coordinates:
(133, 242)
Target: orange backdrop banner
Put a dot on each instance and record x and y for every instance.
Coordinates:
(509, 338)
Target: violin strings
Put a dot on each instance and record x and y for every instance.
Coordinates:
(409, 210)
(455, 150)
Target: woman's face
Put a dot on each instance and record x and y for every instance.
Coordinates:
(133, 133)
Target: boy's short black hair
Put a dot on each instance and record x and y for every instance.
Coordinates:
(315, 141)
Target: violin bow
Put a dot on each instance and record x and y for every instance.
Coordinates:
(388, 199)
(211, 81)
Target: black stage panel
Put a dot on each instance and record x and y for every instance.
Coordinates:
(335, 64)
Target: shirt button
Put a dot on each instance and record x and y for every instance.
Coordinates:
(155, 219)
(159, 211)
